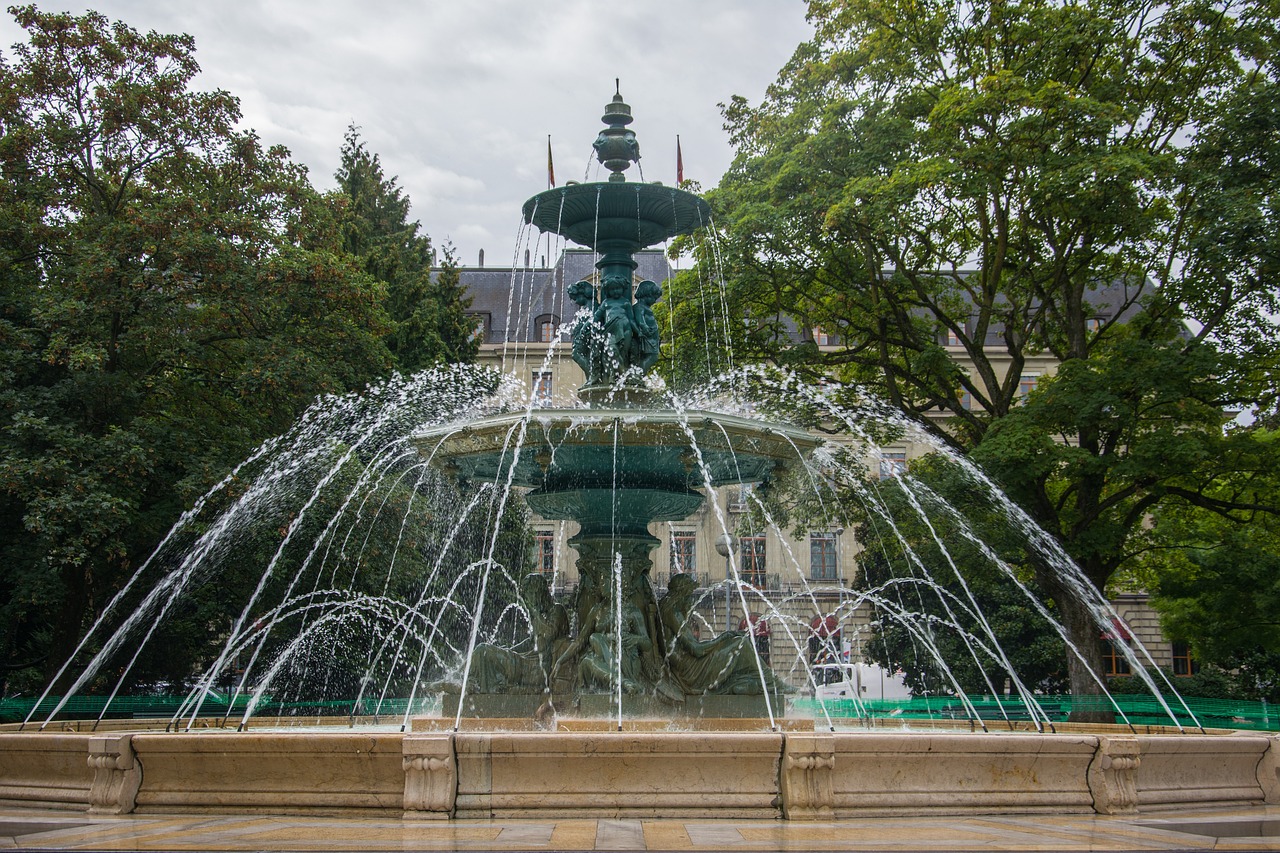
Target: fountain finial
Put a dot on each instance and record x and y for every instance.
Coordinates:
(616, 147)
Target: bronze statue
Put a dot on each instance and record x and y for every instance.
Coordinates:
(644, 347)
(613, 318)
(527, 666)
(725, 664)
(585, 353)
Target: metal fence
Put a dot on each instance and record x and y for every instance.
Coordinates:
(1137, 710)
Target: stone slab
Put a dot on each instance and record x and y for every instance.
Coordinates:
(280, 772)
(1174, 772)
(933, 773)
(618, 774)
(45, 768)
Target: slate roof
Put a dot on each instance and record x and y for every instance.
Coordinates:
(513, 301)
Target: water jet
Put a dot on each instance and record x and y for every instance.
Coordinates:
(459, 455)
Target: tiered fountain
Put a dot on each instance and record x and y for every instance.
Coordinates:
(614, 468)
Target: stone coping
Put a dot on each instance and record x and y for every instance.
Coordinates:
(795, 775)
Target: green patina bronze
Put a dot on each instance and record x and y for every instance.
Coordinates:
(614, 468)
(619, 342)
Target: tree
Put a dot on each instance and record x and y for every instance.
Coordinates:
(1216, 580)
(945, 629)
(1009, 181)
(172, 293)
(428, 315)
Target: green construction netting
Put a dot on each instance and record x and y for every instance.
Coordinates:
(1138, 710)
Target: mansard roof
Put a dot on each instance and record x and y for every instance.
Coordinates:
(513, 300)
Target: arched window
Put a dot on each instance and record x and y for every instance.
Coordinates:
(545, 328)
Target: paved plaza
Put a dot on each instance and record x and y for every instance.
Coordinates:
(1256, 828)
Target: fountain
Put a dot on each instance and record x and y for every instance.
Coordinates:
(390, 534)
(615, 468)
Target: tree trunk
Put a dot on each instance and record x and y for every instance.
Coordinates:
(67, 628)
(1085, 669)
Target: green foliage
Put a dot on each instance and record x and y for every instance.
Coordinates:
(939, 597)
(961, 194)
(170, 293)
(1216, 576)
(428, 314)
(1252, 677)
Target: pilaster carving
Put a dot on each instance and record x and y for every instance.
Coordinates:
(117, 775)
(1112, 780)
(430, 776)
(1269, 772)
(807, 764)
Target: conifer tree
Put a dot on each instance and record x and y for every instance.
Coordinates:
(428, 313)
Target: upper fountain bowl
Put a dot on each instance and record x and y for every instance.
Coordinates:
(616, 217)
(599, 215)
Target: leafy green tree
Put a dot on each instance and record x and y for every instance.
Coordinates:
(1006, 181)
(948, 615)
(170, 294)
(1216, 579)
(428, 313)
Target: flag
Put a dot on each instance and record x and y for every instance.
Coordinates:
(551, 169)
(679, 163)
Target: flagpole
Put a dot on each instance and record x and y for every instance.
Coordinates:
(551, 183)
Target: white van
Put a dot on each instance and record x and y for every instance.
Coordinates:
(864, 680)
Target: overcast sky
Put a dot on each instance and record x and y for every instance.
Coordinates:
(458, 96)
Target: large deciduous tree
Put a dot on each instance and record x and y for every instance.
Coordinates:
(170, 293)
(953, 190)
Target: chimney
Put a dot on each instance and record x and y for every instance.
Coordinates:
(482, 257)
(526, 257)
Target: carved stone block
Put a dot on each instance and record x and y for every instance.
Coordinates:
(430, 776)
(1112, 775)
(117, 775)
(807, 764)
(1269, 772)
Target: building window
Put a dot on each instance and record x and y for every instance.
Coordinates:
(893, 463)
(752, 555)
(1183, 663)
(1093, 325)
(684, 549)
(821, 338)
(1113, 660)
(542, 388)
(545, 551)
(479, 327)
(822, 556)
(953, 340)
(546, 327)
(1027, 384)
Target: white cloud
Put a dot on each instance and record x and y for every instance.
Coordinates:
(458, 98)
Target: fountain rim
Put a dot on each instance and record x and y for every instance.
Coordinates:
(686, 213)
(638, 418)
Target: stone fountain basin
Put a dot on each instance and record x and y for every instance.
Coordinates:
(607, 449)
(795, 775)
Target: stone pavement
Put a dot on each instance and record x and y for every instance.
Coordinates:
(1256, 828)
